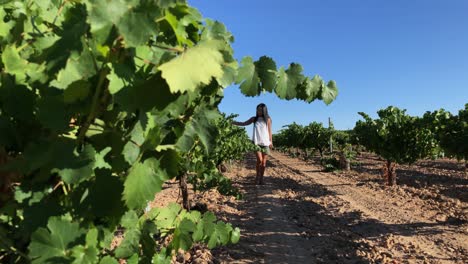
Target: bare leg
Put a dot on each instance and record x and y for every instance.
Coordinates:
(258, 167)
(262, 167)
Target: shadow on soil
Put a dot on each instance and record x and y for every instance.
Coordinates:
(447, 174)
(451, 186)
(324, 238)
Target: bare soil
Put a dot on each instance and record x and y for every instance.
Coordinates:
(304, 215)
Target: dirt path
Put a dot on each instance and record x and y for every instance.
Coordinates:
(302, 215)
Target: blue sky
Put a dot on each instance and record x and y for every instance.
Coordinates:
(412, 54)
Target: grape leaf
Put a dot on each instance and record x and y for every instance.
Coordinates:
(329, 92)
(80, 66)
(108, 260)
(143, 182)
(13, 62)
(266, 69)
(84, 255)
(248, 78)
(235, 235)
(76, 91)
(135, 24)
(199, 127)
(167, 216)
(54, 241)
(288, 81)
(130, 244)
(199, 64)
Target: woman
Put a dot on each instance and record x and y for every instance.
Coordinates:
(261, 137)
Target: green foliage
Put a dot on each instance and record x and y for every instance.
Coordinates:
(313, 136)
(201, 63)
(342, 141)
(103, 101)
(395, 136)
(230, 143)
(450, 130)
(291, 136)
(192, 227)
(317, 136)
(143, 181)
(330, 163)
(342, 138)
(56, 242)
(263, 76)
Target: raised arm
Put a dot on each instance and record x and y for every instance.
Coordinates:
(246, 123)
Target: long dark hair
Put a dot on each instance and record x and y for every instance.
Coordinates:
(264, 108)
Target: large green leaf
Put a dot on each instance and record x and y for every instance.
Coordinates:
(310, 89)
(281, 88)
(166, 217)
(289, 81)
(103, 15)
(143, 182)
(155, 55)
(70, 39)
(13, 62)
(80, 66)
(206, 225)
(230, 74)
(129, 220)
(131, 151)
(108, 260)
(5, 27)
(198, 234)
(137, 27)
(218, 234)
(74, 167)
(92, 237)
(178, 27)
(329, 92)
(55, 241)
(136, 24)
(216, 30)
(133, 259)
(130, 244)
(248, 78)
(161, 258)
(99, 162)
(266, 69)
(45, 41)
(198, 64)
(313, 88)
(85, 255)
(19, 67)
(132, 235)
(115, 82)
(182, 236)
(200, 127)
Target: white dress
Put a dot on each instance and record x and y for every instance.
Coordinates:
(260, 135)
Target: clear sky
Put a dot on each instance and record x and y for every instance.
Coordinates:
(412, 54)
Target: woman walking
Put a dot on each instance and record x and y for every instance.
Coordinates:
(261, 137)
